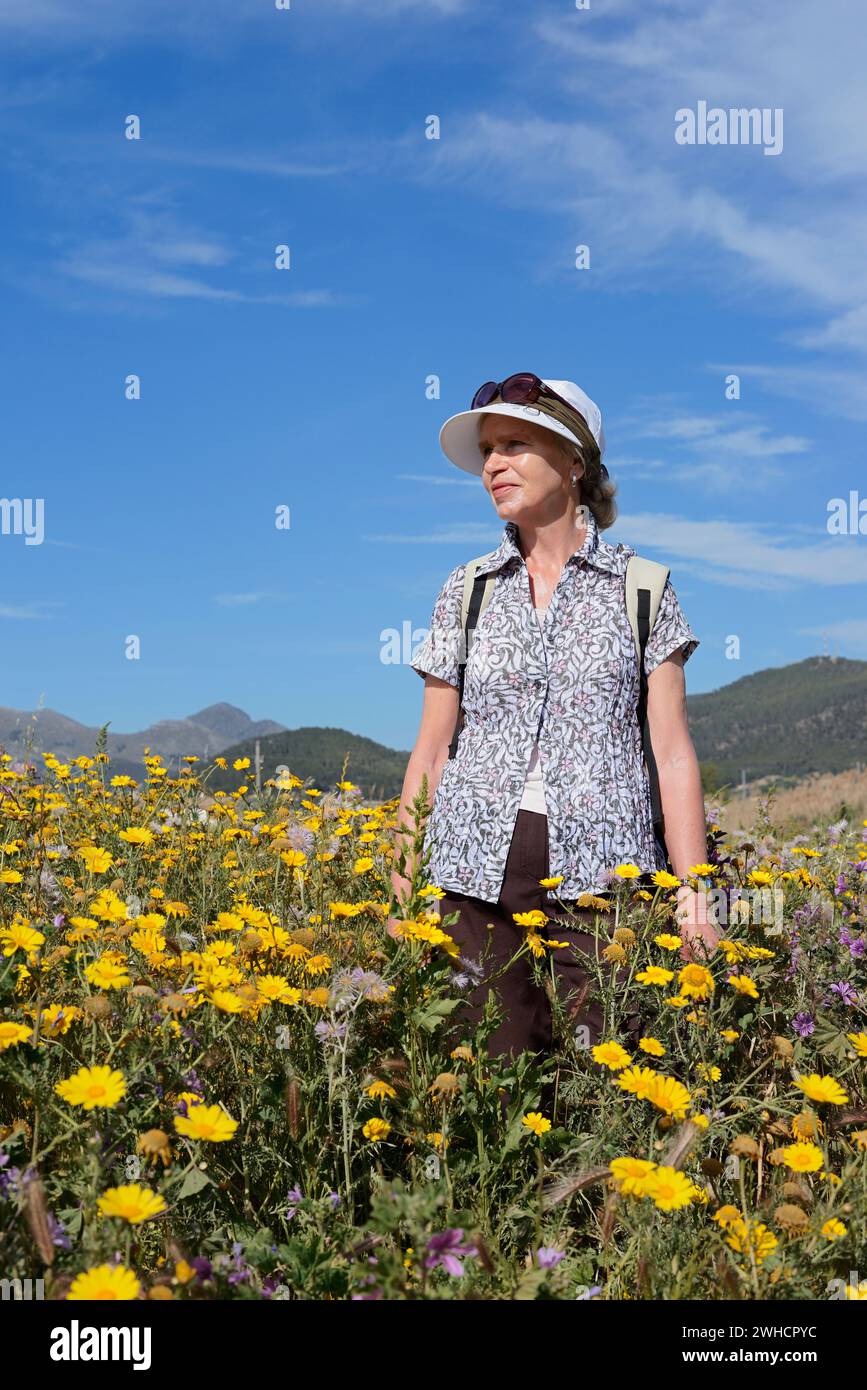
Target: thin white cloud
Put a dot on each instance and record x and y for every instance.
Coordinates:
(759, 555)
(441, 479)
(27, 612)
(57, 22)
(459, 533)
(828, 390)
(254, 162)
(720, 435)
(718, 453)
(248, 600)
(151, 251)
(850, 633)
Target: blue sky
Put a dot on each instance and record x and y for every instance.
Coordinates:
(411, 258)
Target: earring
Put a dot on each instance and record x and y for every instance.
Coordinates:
(574, 479)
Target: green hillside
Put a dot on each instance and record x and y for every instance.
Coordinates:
(317, 754)
(785, 721)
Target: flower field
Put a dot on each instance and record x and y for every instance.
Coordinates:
(222, 1077)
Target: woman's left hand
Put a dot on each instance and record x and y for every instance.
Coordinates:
(699, 935)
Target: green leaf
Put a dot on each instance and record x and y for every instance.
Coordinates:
(430, 1017)
(71, 1218)
(192, 1183)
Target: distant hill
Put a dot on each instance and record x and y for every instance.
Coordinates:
(206, 733)
(317, 754)
(785, 721)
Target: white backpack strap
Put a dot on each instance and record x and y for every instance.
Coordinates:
(647, 579)
(644, 574)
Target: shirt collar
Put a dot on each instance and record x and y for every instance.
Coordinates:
(594, 551)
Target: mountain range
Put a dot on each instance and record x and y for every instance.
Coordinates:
(206, 734)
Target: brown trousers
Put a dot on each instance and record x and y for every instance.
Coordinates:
(488, 931)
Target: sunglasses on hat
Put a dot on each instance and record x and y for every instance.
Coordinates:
(521, 389)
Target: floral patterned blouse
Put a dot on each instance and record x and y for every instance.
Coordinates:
(572, 685)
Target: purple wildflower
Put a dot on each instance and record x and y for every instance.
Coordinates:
(846, 992)
(856, 944)
(471, 973)
(549, 1258)
(59, 1236)
(295, 1197)
(299, 837)
(444, 1250)
(9, 1177)
(242, 1270)
(590, 1293)
(330, 1032)
(370, 985)
(803, 1024)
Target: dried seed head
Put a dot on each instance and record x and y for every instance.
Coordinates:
(97, 1006)
(797, 1192)
(174, 1003)
(790, 1217)
(444, 1086)
(154, 1144)
(807, 1125)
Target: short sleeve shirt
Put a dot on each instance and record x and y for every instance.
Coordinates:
(570, 684)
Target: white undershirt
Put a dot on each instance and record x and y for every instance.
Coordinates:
(533, 798)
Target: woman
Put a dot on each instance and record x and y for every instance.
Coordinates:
(549, 778)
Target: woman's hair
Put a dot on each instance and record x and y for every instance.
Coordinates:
(597, 492)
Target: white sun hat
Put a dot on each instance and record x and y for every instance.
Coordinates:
(459, 436)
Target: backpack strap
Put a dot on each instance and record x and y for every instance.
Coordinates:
(645, 581)
(476, 597)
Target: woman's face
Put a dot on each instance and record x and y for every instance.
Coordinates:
(524, 470)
